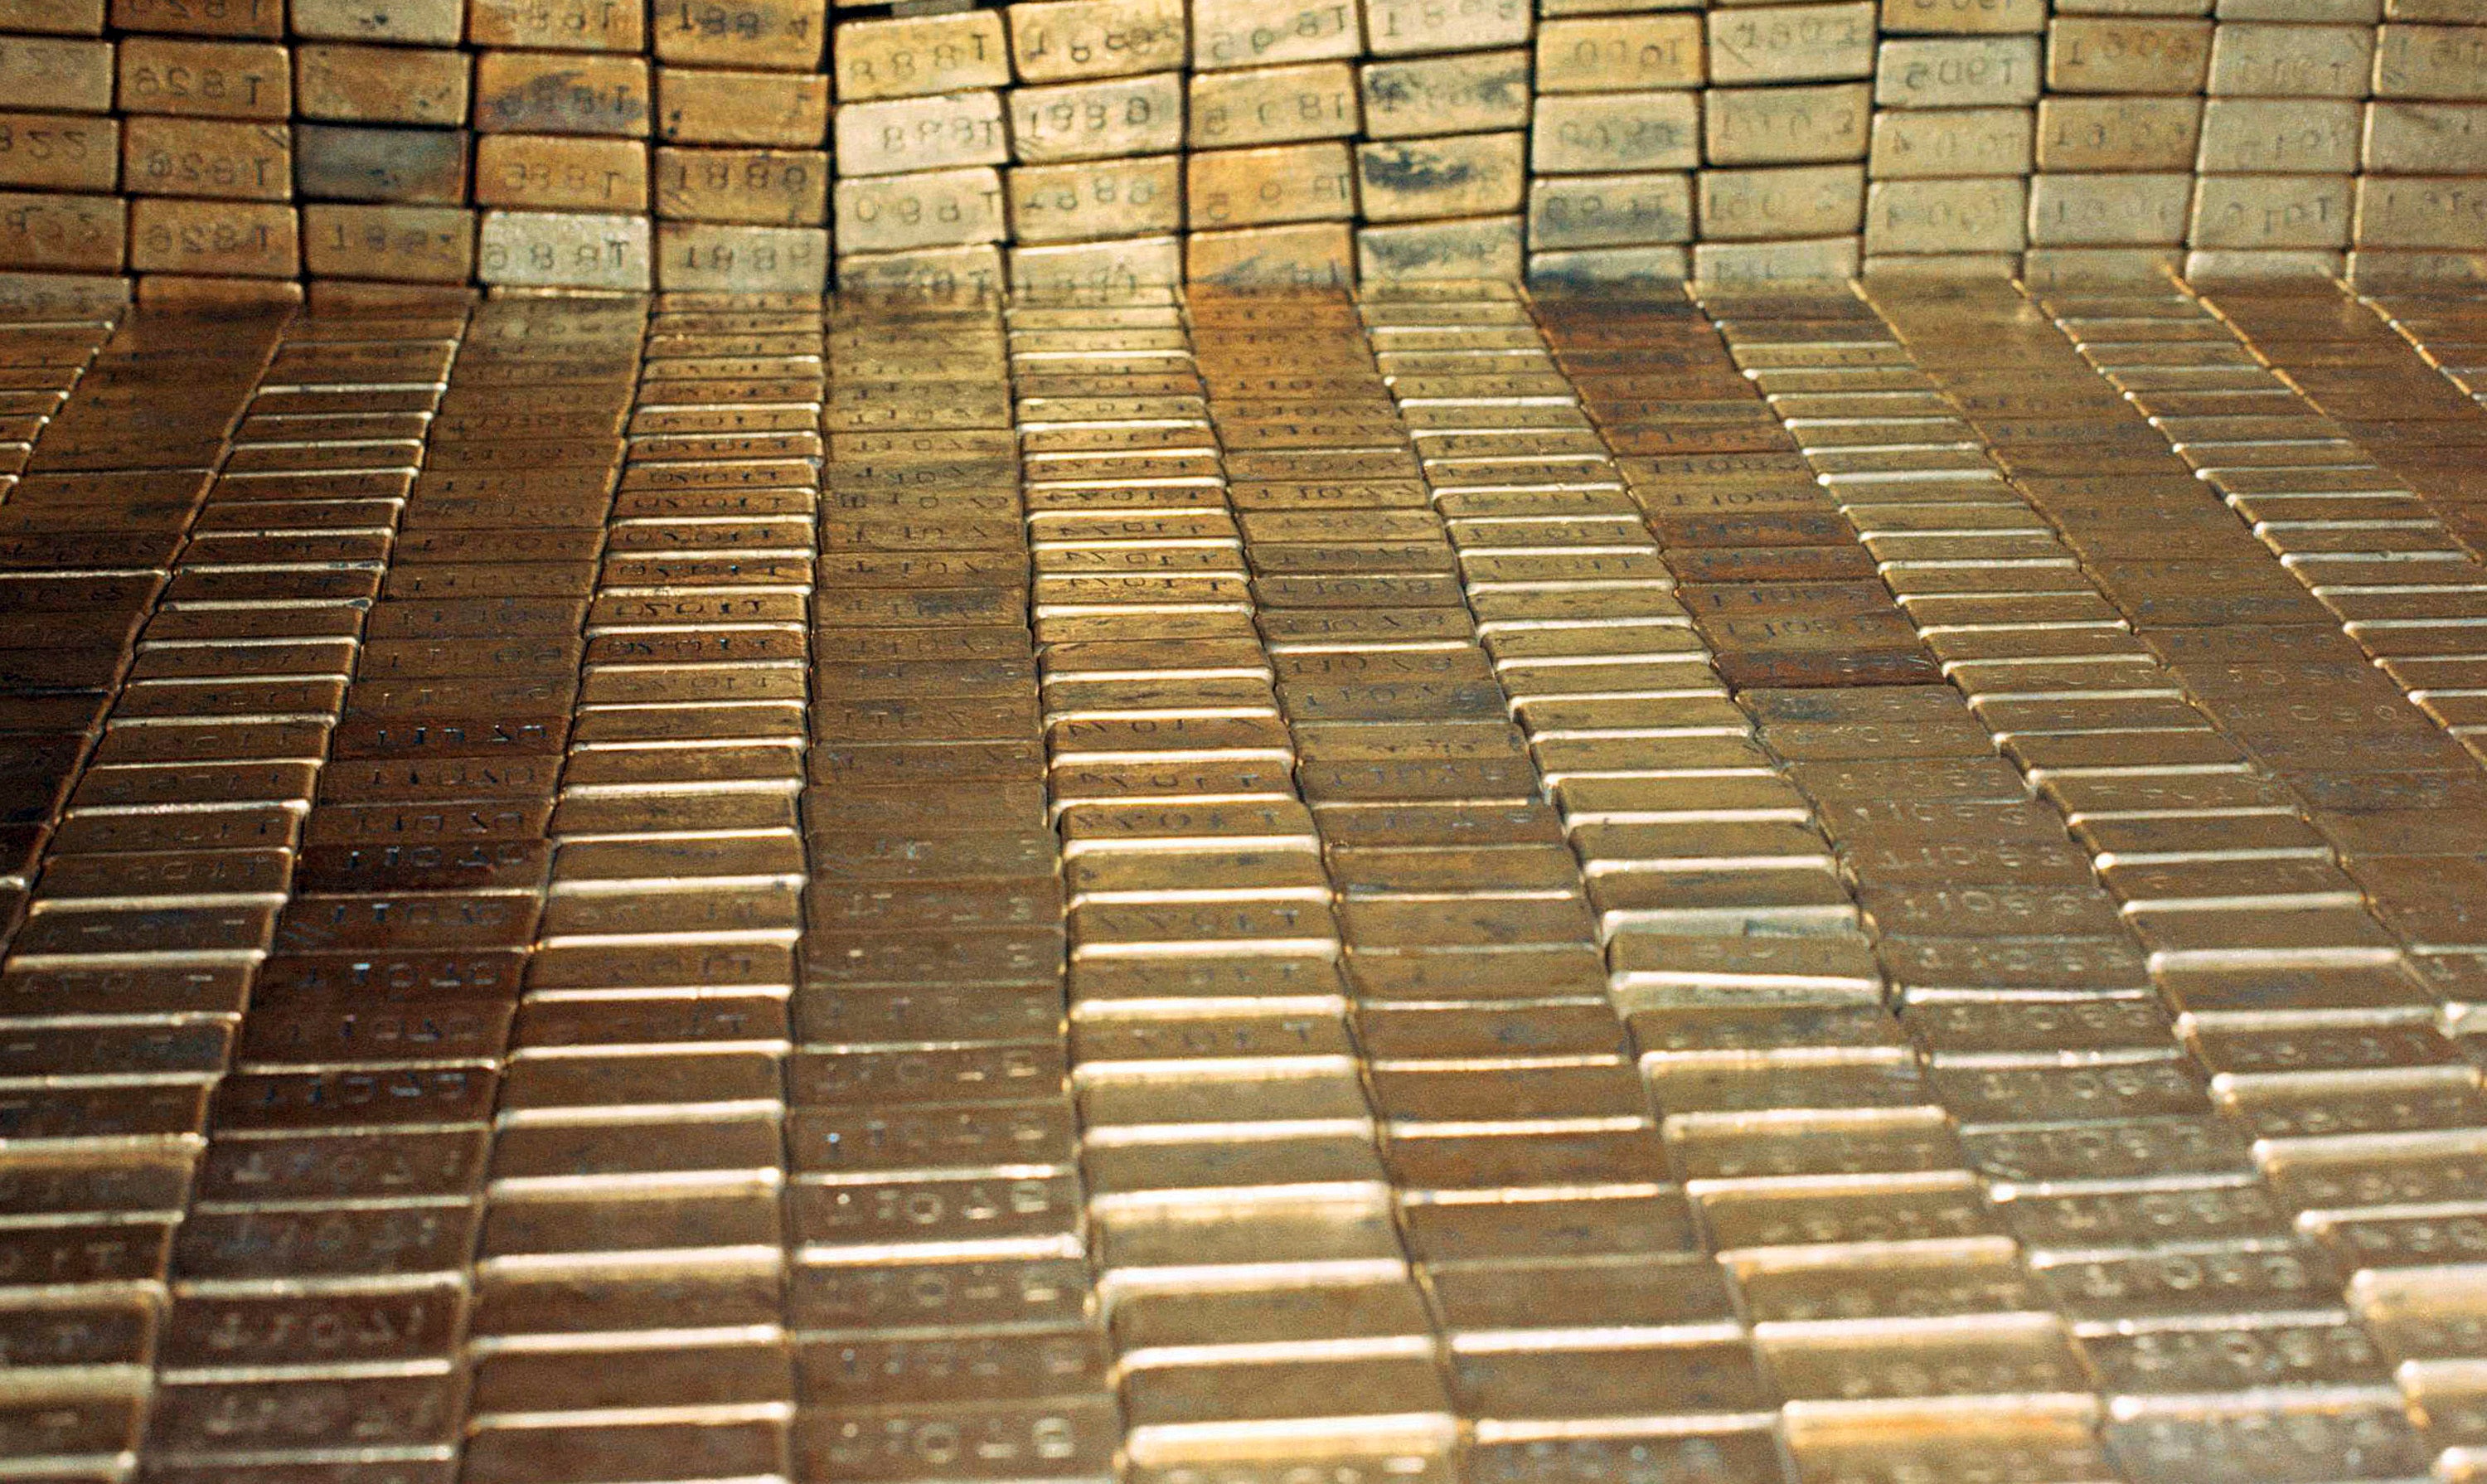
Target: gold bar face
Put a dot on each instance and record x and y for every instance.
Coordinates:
(783, 34)
(1619, 55)
(216, 238)
(553, 93)
(60, 151)
(1471, 175)
(45, 231)
(564, 250)
(569, 25)
(381, 85)
(720, 107)
(397, 243)
(909, 57)
(201, 158)
(424, 23)
(919, 133)
(205, 79)
(1454, 95)
(1065, 41)
(1097, 119)
(545, 172)
(1254, 187)
(1096, 200)
(701, 256)
(352, 162)
(787, 188)
(940, 208)
(46, 73)
(1231, 33)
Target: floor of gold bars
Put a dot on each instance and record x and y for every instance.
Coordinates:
(1876, 886)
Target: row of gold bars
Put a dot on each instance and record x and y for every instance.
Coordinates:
(394, 150)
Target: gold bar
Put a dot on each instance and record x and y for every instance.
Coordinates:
(59, 151)
(205, 158)
(546, 172)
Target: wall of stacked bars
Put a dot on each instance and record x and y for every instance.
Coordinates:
(236, 148)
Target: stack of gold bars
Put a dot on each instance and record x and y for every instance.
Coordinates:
(1259, 741)
(1784, 886)
(226, 152)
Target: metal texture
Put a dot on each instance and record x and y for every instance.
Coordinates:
(1787, 885)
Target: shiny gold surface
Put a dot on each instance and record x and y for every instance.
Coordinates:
(206, 152)
(1789, 885)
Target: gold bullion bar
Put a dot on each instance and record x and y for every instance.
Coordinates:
(236, 160)
(2125, 54)
(1484, 247)
(1061, 41)
(1792, 42)
(2107, 209)
(1651, 267)
(2251, 211)
(2279, 136)
(1979, 71)
(2290, 61)
(565, 250)
(72, 77)
(218, 238)
(1272, 104)
(1621, 54)
(261, 19)
(1951, 142)
(1595, 210)
(2118, 133)
(709, 256)
(557, 92)
(780, 34)
(380, 84)
(348, 163)
(1953, 216)
(1106, 269)
(1458, 94)
(936, 208)
(551, 173)
(1941, 18)
(2436, 62)
(909, 56)
(2437, 211)
(1404, 27)
(399, 244)
(205, 79)
(1251, 33)
(1456, 175)
(1279, 183)
(404, 22)
(554, 25)
(717, 106)
(62, 17)
(2419, 138)
(920, 133)
(1096, 199)
(936, 273)
(761, 187)
(1317, 255)
(1791, 200)
(1598, 133)
(1755, 264)
(57, 296)
(1788, 125)
(1098, 120)
(59, 151)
